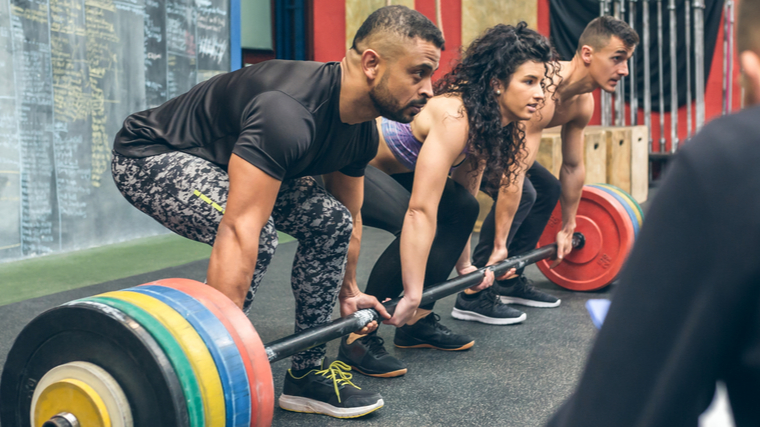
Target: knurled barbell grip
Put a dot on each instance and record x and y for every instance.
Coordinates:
(304, 340)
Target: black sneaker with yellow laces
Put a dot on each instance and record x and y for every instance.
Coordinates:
(329, 391)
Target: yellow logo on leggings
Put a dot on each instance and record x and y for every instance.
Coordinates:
(209, 201)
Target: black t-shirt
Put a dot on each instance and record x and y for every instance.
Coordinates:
(686, 312)
(281, 116)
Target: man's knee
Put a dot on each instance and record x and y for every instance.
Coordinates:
(335, 225)
(548, 186)
(458, 205)
(529, 195)
(553, 191)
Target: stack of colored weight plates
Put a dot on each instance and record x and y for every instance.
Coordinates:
(608, 228)
(170, 353)
(628, 203)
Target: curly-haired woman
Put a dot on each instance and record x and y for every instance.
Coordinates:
(421, 186)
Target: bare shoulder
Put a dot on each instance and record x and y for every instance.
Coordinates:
(585, 109)
(440, 111)
(447, 107)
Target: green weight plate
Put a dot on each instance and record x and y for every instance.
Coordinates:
(173, 351)
(196, 351)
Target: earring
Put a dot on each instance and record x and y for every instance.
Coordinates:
(498, 92)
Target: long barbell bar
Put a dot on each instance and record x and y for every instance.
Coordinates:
(304, 340)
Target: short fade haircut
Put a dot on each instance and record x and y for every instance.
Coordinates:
(401, 21)
(748, 27)
(599, 31)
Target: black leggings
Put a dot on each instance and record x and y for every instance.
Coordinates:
(540, 194)
(386, 199)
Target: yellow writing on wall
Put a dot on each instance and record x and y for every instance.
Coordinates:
(37, 14)
(100, 35)
(71, 102)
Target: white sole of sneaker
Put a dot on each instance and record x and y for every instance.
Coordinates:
(529, 303)
(311, 406)
(476, 317)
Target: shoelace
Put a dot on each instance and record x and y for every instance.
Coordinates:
(336, 373)
(523, 283)
(435, 319)
(492, 298)
(375, 344)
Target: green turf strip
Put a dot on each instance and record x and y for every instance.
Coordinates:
(36, 277)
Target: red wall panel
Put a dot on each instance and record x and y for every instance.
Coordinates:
(329, 30)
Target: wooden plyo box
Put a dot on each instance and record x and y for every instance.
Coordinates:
(626, 157)
(595, 156)
(550, 152)
(639, 163)
(485, 201)
(618, 141)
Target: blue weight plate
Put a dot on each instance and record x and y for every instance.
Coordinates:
(625, 205)
(221, 345)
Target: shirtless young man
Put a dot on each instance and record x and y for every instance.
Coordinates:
(521, 210)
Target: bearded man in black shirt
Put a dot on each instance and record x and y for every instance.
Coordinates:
(686, 312)
(230, 162)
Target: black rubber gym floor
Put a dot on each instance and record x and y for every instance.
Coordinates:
(515, 375)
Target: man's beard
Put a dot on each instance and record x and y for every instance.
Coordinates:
(388, 106)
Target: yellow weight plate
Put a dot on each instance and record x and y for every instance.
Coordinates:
(116, 403)
(75, 397)
(195, 349)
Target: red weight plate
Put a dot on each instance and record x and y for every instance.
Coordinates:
(609, 237)
(247, 340)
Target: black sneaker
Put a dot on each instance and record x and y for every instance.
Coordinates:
(367, 356)
(328, 391)
(429, 333)
(486, 307)
(520, 290)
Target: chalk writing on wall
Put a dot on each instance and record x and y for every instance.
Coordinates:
(70, 72)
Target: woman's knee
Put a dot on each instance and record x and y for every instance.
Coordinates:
(546, 185)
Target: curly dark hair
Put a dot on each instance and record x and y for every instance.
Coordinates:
(496, 55)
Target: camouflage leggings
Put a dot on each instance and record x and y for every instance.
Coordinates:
(188, 195)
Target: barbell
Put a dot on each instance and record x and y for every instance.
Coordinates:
(179, 353)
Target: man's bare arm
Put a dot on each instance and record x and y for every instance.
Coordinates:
(249, 204)
(572, 173)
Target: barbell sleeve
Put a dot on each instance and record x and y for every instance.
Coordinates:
(304, 340)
